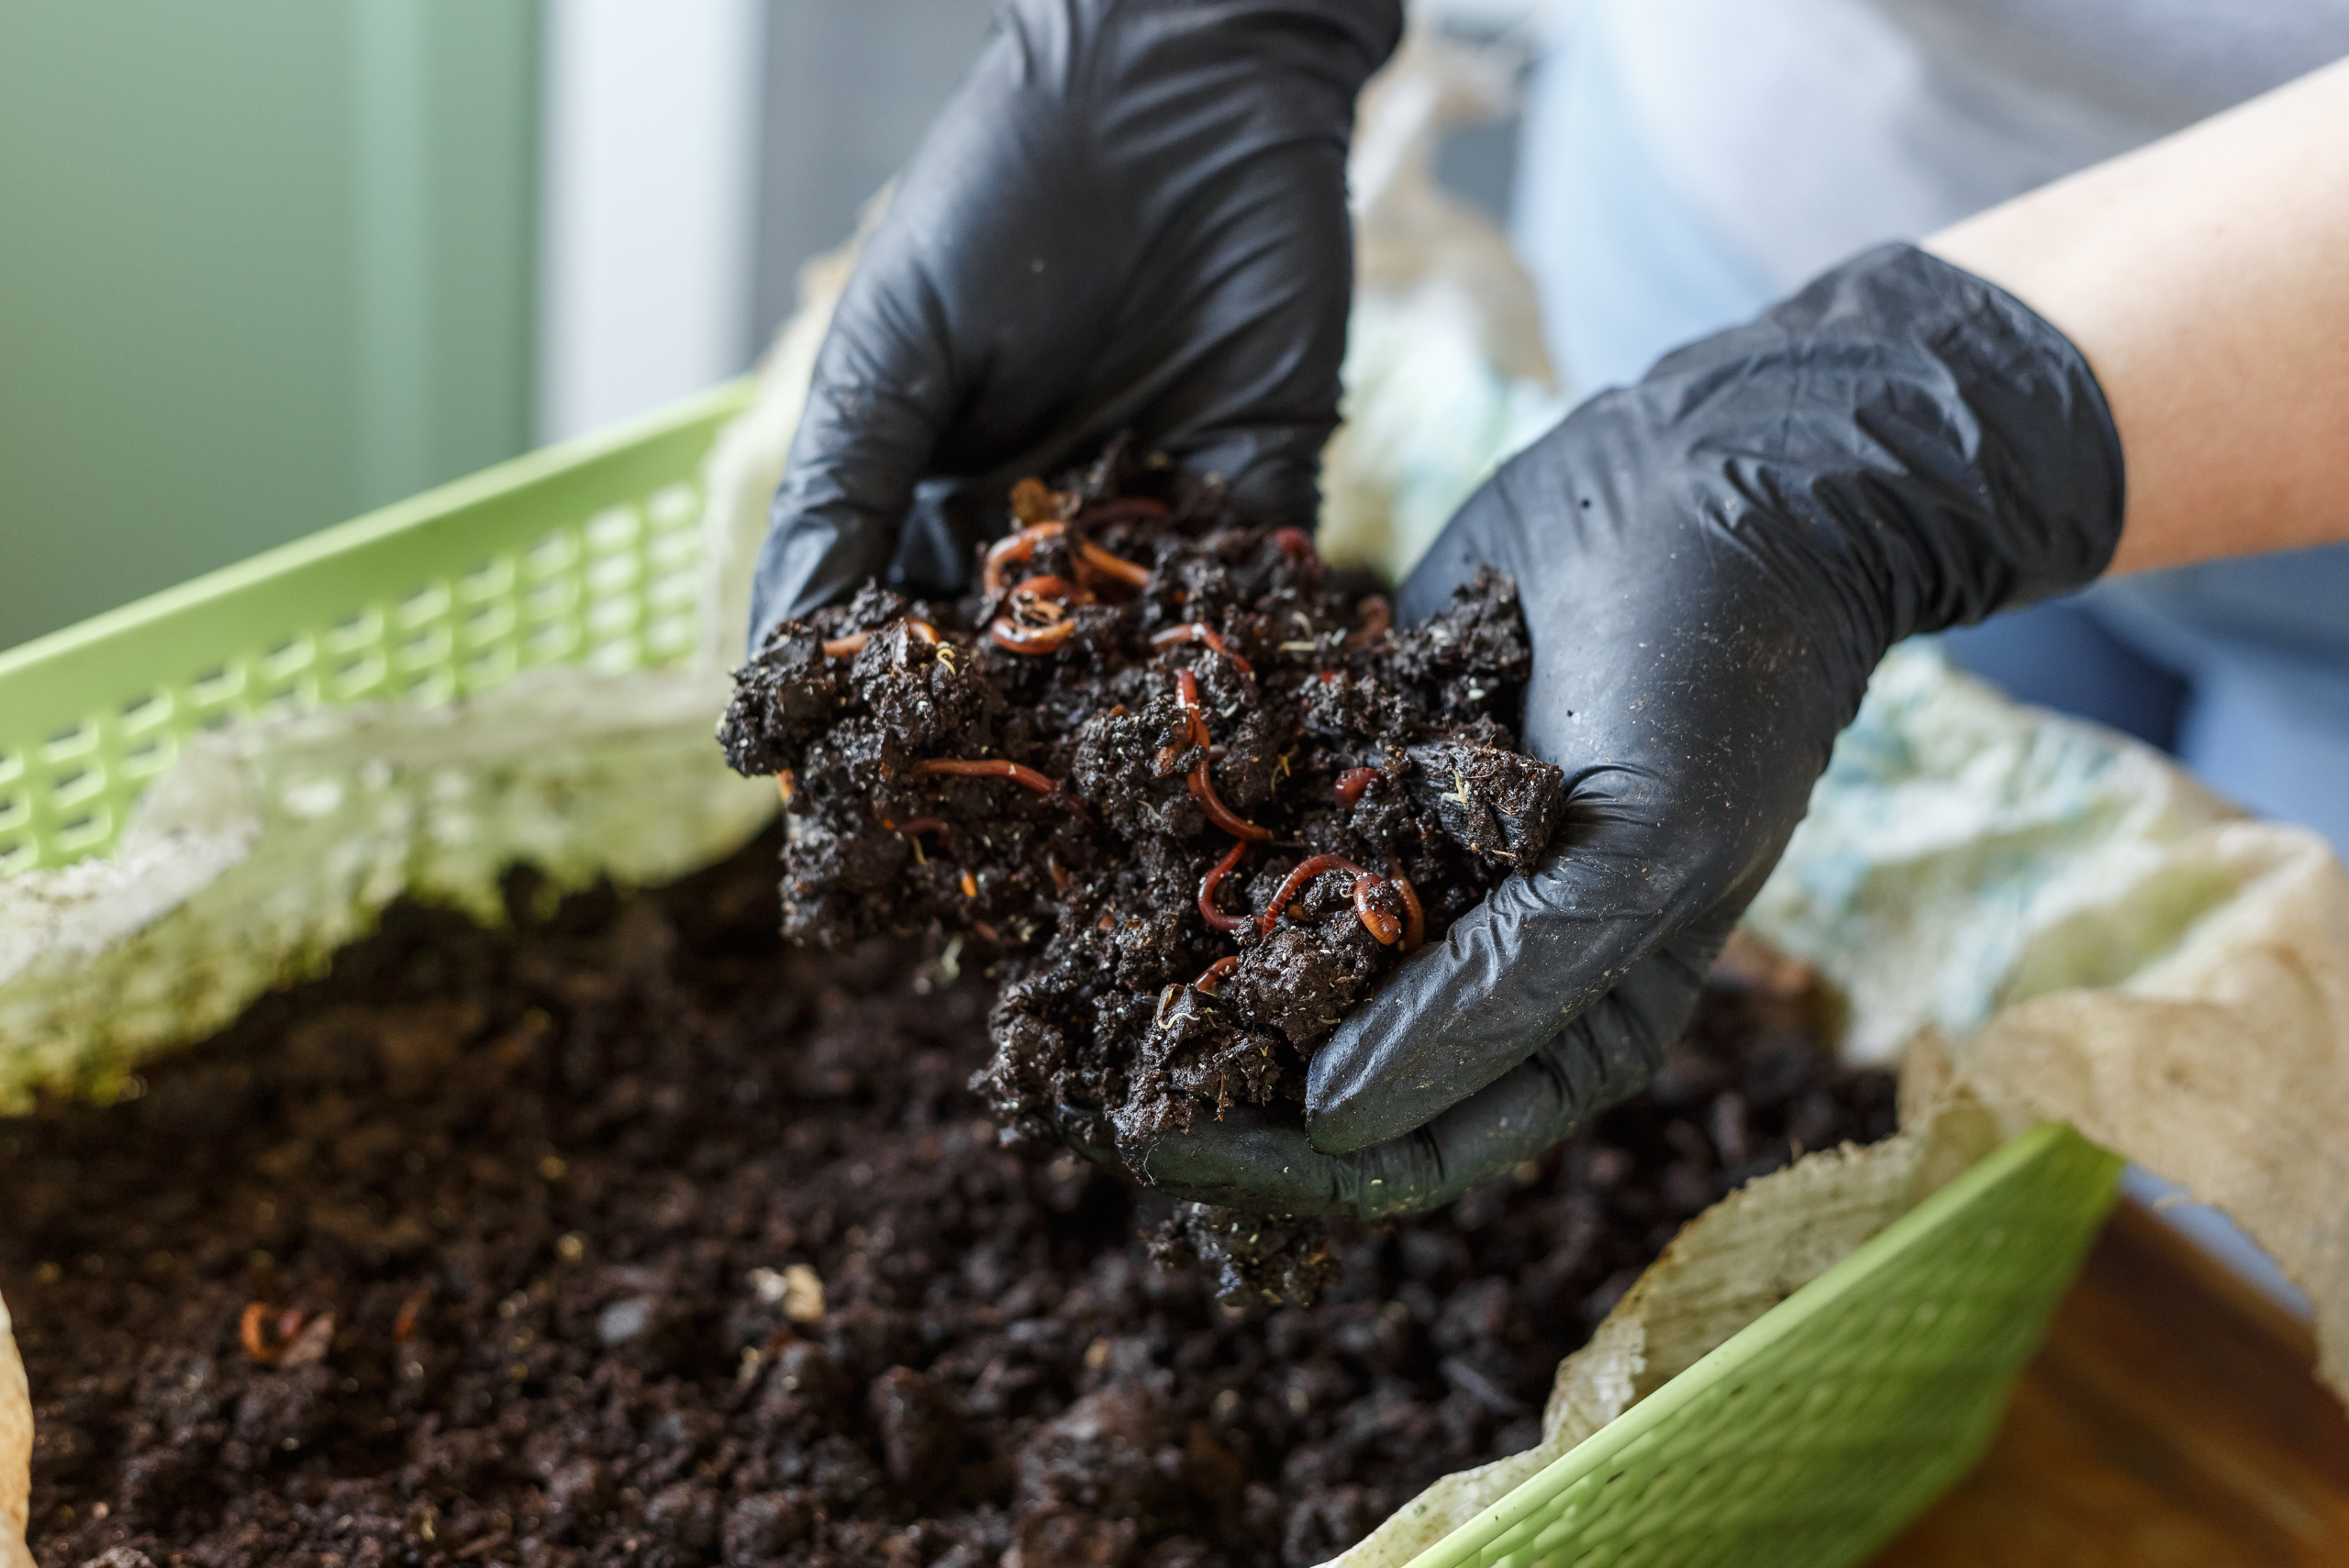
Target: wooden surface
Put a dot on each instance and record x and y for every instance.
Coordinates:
(2171, 1418)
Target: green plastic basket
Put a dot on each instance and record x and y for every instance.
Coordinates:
(1809, 1438)
(586, 553)
(1812, 1436)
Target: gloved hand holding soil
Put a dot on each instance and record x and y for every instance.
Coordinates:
(1194, 796)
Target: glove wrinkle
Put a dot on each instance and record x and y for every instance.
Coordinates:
(1130, 213)
(1711, 562)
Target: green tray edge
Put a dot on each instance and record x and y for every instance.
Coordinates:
(624, 441)
(2098, 1187)
(71, 682)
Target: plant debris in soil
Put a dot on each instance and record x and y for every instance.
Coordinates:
(628, 1235)
(1191, 794)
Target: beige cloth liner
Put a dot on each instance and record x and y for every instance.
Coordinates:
(16, 1449)
(2104, 942)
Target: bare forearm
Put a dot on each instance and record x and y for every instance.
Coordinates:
(2206, 277)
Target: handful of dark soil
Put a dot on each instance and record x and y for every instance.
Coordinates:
(1193, 793)
(629, 1237)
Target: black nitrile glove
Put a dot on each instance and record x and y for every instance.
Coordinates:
(1711, 563)
(1130, 215)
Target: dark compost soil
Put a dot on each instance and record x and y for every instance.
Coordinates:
(1197, 792)
(631, 1235)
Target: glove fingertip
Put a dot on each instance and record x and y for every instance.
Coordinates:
(1349, 1106)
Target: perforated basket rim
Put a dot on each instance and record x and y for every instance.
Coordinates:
(62, 695)
(296, 556)
(1837, 1286)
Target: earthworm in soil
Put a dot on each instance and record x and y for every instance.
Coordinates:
(1133, 574)
(984, 768)
(1379, 923)
(253, 1330)
(1048, 588)
(1213, 880)
(852, 645)
(1021, 546)
(1202, 785)
(1215, 972)
(1031, 640)
(1414, 925)
(1196, 631)
(1222, 815)
(1186, 697)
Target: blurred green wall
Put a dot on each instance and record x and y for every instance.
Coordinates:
(264, 264)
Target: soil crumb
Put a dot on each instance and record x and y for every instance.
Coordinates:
(631, 1235)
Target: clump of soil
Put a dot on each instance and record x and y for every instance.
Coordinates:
(1193, 793)
(630, 1236)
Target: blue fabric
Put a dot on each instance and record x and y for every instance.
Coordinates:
(1625, 271)
(2260, 645)
(2060, 655)
(2240, 667)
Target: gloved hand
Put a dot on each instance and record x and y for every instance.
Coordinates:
(1711, 563)
(1131, 213)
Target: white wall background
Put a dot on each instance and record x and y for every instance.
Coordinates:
(650, 188)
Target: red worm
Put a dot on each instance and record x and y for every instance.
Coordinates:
(1414, 925)
(920, 825)
(1295, 542)
(1031, 640)
(1187, 696)
(1186, 692)
(1018, 547)
(1213, 880)
(1034, 613)
(1199, 631)
(1377, 616)
(255, 1337)
(1133, 574)
(1352, 782)
(1050, 587)
(1213, 972)
(1060, 872)
(253, 1328)
(1222, 815)
(1306, 872)
(852, 645)
(1377, 921)
(985, 768)
(1380, 923)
